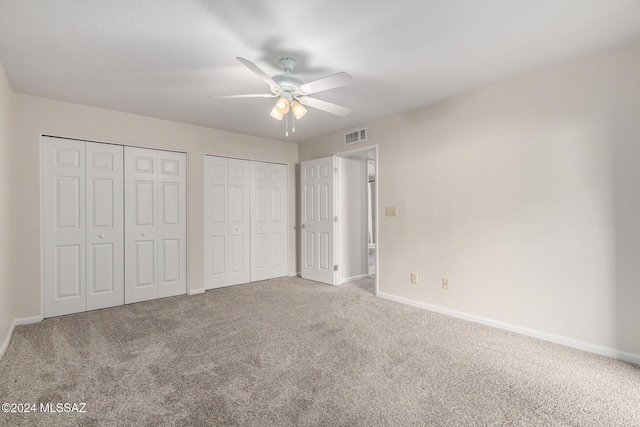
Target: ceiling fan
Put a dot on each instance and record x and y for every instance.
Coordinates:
(293, 93)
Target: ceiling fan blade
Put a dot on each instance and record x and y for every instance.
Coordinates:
(254, 95)
(326, 83)
(264, 76)
(324, 105)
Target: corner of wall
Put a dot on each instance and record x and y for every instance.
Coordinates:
(7, 218)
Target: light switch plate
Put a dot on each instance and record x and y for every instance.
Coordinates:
(391, 211)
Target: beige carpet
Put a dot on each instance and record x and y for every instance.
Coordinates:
(291, 352)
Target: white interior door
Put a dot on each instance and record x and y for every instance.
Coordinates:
(268, 221)
(63, 197)
(318, 181)
(172, 224)
(141, 172)
(238, 224)
(279, 217)
(104, 225)
(215, 226)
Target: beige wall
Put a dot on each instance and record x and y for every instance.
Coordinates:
(35, 116)
(525, 195)
(7, 213)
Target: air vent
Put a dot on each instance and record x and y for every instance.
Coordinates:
(355, 136)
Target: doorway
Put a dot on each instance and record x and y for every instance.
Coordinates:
(339, 209)
(357, 213)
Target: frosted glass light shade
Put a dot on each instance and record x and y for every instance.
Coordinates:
(282, 105)
(298, 110)
(276, 114)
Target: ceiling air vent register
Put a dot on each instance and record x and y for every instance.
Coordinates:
(356, 136)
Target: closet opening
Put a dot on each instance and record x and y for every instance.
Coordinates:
(246, 221)
(113, 224)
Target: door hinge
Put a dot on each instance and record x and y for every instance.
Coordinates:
(335, 268)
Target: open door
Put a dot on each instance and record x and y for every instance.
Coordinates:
(318, 183)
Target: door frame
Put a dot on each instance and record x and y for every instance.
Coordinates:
(349, 153)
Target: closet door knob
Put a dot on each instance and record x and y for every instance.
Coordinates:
(101, 236)
(302, 225)
(237, 229)
(261, 228)
(144, 234)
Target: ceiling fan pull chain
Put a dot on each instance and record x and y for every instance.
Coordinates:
(293, 123)
(286, 129)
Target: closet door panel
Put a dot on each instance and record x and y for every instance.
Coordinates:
(238, 226)
(215, 227)
(279, 219)
(279, 255)
(105, 225)
(144, 260)
(260, 224)
(268, 221)
(64, 254)
(172, 224)
(141, 171)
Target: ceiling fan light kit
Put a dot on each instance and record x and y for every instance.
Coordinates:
(293, 93)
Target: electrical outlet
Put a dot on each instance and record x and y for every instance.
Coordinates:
(414, 278)
(445, 283)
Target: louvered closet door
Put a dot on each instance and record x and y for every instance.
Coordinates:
(104, 225)
(268, 221)
(141, 217)
(172, 224)
(215, 227)
(64, 246)
(239, 222)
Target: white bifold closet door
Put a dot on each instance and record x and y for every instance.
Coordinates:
(227, 224)
(82, 194)
(268, 221)
(216, 228)
(238, 225)
(245, 221)
(155, 218)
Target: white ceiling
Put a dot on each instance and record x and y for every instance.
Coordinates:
(171, 58)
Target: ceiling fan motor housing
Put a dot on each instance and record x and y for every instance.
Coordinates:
(287, 64)
(289, 83)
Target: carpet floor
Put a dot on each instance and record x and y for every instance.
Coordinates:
(291, 352)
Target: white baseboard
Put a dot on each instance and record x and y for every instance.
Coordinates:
(295, 274)
(196, 291)
(27, 320)
(568, 342)
(16, 322)
(7, 339)
(352, 278)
